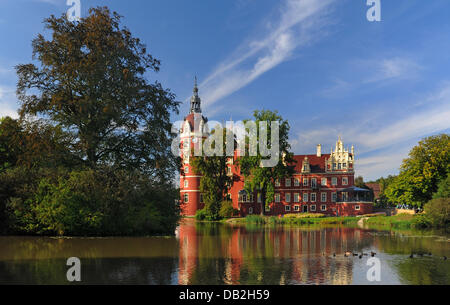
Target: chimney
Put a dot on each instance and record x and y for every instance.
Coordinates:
(319, 150)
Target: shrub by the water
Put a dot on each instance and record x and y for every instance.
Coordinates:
(421, 221)
(201, 214)
(438, 212)
(226, 209)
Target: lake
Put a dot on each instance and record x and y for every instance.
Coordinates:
(217, 253)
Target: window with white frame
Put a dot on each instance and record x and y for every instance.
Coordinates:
(339, 165)
(305, 197)
(296, 197)
(186, 183)
(334, 181)
(357, 207)
(333, 197)
(287, 182)
(296, 208)
(312, 208)
(323, 197)
(251, 198)
(288, 197)
(313, 197)
(277, 183)
(296, 182)
(344, 180)
(277, 197)
(250, 210)
(323, 207)
(186, 170)
(313, 182)
(324, 182)
(186, 198)
(287, 208)
(305, 181)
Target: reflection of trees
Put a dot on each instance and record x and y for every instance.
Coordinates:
(159, 271)
(423, 270)
(104, 260)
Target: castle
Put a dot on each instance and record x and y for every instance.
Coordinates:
(322, 183)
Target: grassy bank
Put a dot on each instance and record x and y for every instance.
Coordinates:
(296, 219)
(402, 221)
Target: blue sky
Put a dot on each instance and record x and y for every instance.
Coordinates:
(382, 86)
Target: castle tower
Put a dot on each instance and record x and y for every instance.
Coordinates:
(192, 133)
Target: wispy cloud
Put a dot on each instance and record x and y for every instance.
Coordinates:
(373, 71)
(8, 102)
(393, 68)
(299, 22)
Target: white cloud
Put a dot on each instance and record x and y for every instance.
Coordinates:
(299, 23)
(393, 68)
(424, 121)
(372, 168)
(368, 72)
(8, 102)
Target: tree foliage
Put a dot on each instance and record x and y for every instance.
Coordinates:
(428, 164)
(262, 179)
(215, 181)
(86, 202)
(91, 81)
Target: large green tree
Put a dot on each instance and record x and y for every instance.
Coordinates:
(90, 79)
(216, 180)
(420, 174)
(257, 177)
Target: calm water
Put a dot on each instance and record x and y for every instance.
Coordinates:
(224, 254)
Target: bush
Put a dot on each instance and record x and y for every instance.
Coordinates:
(226, 209)
(421, 222)
(438, 212)
(201, 214)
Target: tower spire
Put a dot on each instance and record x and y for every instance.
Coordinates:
(195, 99)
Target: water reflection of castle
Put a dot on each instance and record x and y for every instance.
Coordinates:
(273, 256)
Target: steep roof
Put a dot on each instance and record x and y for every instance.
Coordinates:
(317, 164)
